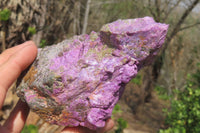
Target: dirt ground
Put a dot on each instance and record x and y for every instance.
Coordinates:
(148, 119)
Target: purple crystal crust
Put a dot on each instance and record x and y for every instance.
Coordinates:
(78, 81)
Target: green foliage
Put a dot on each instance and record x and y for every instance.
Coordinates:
(121, 125)
(32, 30)
(173, 130)
(162, 93)
(116, 109)
(30, 129)
(137, 80)
(5, 14)
(196, 76)
(43, 43)
(184, 116)
(198, 65)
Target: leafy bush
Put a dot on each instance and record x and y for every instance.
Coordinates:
(43, 43)
(137, 80)
(196, 76)
(5, 14)
(173, 130)
(121, 125)
(30, 129)
(162, 93)
(116, 109)
(184, 115)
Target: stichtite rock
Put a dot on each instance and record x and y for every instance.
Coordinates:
(78, 81)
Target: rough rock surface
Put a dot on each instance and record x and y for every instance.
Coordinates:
(78, 81)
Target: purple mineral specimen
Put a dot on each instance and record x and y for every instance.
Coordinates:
(79, 81)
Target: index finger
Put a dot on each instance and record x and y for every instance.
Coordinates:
(9, 52)
(11, 69)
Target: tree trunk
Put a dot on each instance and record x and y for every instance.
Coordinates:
(85, 23)
(22, 16)
(152, 72)
(46, 17)
(76, 15)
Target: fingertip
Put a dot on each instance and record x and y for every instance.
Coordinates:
(78, 129)
(31, 45)
(25, 56)
(13, 50)
(108, 126)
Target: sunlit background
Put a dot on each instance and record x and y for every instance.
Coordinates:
(163, 98)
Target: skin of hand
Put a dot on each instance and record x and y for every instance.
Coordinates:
(12, 62)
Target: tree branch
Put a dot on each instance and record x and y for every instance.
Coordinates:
(150, 9)
(171, 9)
(158, 13)
(181, 20)
(95, 3)
(189, 26)
(86, 17)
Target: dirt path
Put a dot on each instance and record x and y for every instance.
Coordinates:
(149, 118)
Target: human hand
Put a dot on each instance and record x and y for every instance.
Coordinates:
(109, 125)
(12, 62)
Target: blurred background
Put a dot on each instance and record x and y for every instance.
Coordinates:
(164, 97)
